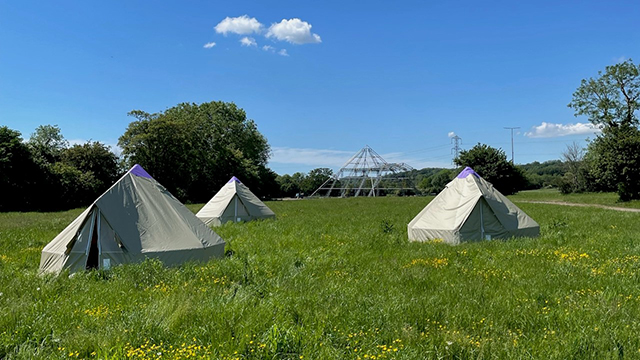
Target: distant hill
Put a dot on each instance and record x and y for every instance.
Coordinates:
(546, 174)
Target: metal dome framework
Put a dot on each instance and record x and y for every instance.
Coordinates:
(368, 173)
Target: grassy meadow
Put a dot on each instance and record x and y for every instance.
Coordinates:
(607, 199)
(337, 279)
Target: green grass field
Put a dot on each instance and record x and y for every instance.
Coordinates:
(337, 279)
(607, 199)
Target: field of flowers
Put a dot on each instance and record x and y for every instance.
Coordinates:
(337, 279)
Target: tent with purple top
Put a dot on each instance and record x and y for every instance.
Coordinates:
(234, 202)
(470, 209)
(136, 218)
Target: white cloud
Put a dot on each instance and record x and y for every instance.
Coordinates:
(239, 25)
(209, 45)
(283, 52)
(268, 48)
(451, 134)
(248, 41)
(294, 31)
(311, 157)
(546, 130)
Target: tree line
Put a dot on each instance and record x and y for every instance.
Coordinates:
(45, 173)
(193, 149)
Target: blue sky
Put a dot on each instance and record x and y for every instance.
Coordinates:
(321, 79)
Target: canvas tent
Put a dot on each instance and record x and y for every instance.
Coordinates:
(469, 209)
(135, 219)
(234, 202)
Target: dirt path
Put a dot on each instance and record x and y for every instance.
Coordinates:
(581, 205)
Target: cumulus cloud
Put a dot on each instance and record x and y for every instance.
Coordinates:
(283, 52)
(546, 130)
(268, 48)
(209, 45)
(248, 41)
(241, 25)
(294, 31)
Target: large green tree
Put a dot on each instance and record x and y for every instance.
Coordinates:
(47, 144)
(614, 161)
(314, 179)
(193, 149)
(436, 182)
(85, 171)
(493, 166)
(612, 98)
(610, 101)
(96, 158)
(17, 171)
(45, 174)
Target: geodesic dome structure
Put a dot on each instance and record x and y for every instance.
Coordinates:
(367, 174)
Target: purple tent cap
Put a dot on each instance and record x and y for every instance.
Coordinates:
(139, 171)
(233, 178)
(466, 172)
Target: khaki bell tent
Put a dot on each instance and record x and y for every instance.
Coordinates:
(234, 202)
(470, 209)
(136, 218)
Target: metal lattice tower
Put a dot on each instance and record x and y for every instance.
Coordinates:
(456, 140)
(367, 173)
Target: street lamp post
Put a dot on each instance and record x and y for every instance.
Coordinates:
(512, 128)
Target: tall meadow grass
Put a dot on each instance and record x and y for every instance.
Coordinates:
(337, 279)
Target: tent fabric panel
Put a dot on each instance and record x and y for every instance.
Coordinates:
(448, 236)
(173, 258)
(119, 206)
(51, 262)
(492, 224)
(230, 211)
(234, 211)
(212, 221)
(254, 206)
(527, 232)
(215, 207)
(511, 217)
(450, 208)
(482, 222)
(61, 241)
(149, 219)
(68, 249)
(55, 262)
(107, 237)
(204, 235)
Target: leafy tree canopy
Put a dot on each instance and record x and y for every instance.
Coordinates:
(493, 166)
(16, 170)
(193, 149)
(47, 144)
(612, 98)
(611, 101)
(95, 158)
(44, 174)
(614, 161)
